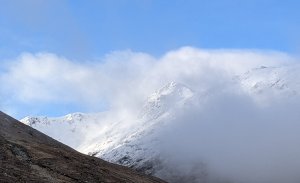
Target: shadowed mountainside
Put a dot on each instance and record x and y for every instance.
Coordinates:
(26, 155)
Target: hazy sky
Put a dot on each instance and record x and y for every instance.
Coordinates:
(61, 56)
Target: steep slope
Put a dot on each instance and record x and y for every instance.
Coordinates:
(29, 156)
(137, 146)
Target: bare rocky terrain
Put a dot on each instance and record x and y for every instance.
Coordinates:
(27, 155)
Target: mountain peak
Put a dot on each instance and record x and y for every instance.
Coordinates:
(272, 80)
(35, 120)
(172, 89)
(165, 99)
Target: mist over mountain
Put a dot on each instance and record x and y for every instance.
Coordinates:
(224, 125)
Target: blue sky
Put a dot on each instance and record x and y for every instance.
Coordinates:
(89, 29)
(88, 32)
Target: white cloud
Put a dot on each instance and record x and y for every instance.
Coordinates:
(122, 78)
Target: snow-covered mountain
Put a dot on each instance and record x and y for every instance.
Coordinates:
(132, 143)
(71, 129)
(136, 147)
(276, 80)
(135, 142)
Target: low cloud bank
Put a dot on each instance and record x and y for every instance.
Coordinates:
(231, 138)
(120, 79)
